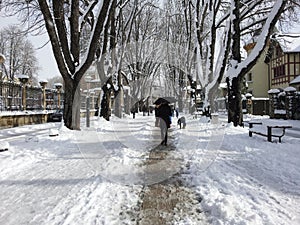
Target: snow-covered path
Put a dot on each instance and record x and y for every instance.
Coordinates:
(48, 181)
(82, 177)
(116, 173)
(251, 181)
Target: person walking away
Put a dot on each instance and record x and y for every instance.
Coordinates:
(177, 113)
(164, 113)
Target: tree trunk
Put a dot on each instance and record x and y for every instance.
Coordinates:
(127, 102)
(180, 100)
(212, 93)
(72, 105)
(118, 104)
(106, 100)
(119, 97)
(235, 112)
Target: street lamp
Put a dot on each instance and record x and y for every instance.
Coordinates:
(23, 79)
(58, 86)
(43, 84)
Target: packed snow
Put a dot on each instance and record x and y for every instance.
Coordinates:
(114, 172)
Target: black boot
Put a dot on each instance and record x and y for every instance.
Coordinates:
(166, 140)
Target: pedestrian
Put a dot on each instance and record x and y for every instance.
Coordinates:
(164, 113)
(177, 113)
(134, 110)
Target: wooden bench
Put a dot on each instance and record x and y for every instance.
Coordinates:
(267, 129)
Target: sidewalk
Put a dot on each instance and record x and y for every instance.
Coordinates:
(165, 197)
(117, 173)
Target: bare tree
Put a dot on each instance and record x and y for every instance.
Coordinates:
(178, 32)
(124, 50)
(19, 53)
(64, 22)
(109, 58)
(238, 68)
(82, 31)
(219, 43)
(142, 49)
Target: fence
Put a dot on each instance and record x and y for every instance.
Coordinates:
(16, 97)
(285, 103)
(281, 104)
(255, 106)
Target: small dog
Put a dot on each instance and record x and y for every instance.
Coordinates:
(181, 121)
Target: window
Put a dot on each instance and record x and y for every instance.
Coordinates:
(279, 71)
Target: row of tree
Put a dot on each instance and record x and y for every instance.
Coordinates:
(134, 42)
(19, 55)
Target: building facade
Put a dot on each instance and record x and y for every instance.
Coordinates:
(284, 65)
(277, 67)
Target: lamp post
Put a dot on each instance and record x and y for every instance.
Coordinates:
(87, 80)
(23, 79)
(58, 87)
(43, 84)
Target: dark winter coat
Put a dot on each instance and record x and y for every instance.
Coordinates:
(164, 111)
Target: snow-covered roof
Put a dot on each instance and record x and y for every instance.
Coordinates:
(296, 80)
(290, 42)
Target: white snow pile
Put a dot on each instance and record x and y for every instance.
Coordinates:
(105, 174)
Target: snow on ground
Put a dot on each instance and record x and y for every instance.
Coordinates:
(105, 174)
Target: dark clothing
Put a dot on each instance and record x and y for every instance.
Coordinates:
(163, 131)
(177, 113)
(164, 112)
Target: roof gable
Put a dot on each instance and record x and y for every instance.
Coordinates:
(289, 42)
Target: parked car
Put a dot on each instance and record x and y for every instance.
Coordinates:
(56, 116)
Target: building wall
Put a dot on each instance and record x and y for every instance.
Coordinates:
(278, 73)
(294, 67)
(257, 78)
(259, 85)
(283, 68)
(278, 69)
